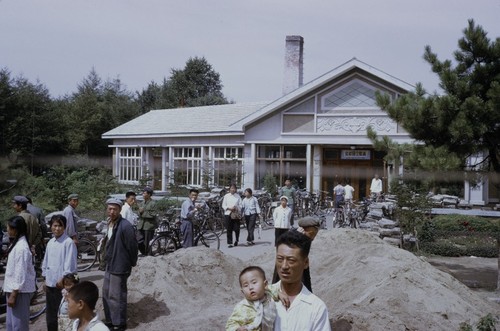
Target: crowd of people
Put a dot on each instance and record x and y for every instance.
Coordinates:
(70, 303)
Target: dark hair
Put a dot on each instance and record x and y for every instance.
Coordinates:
(130, 193)
(252, 268)
(24, 205)
(29, 199)
(249, 190)
(194, 190)
(233, 185)
(73, 278)
(19, 224)
(85, 291)
(295, 239)
(61, 219)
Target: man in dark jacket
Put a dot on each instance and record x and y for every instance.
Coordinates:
(121, 256)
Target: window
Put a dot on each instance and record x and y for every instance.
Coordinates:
(354, 95)
(130, 163)
(187, 166)
(282, 162)
(228, 166)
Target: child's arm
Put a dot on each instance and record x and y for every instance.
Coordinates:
(276, 294)
(236, 319)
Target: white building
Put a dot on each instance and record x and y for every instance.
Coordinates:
(314, 134)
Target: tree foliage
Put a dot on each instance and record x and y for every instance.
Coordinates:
(466, 118)
(198, 84)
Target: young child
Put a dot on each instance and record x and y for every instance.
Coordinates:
(64, 322)
(82, 299)
(258, 310)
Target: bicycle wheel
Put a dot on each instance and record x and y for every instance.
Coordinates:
(162, 245)
(87, 254)
(208, 239)
(38, 302)
(217, 225)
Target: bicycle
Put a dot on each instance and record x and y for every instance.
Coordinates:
(168, 237)
(86, 251)
(37, 304)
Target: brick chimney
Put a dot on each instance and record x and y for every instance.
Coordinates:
(294, 63)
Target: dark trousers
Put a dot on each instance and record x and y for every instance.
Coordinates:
(147, 235)
(187, 233)
(53, 300)
(250, 222)
(232, 225)
(291, 205)
(114, 298)
(277, 233)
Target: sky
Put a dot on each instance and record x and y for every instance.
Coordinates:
(58, 42)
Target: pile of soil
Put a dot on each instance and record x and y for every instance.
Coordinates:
(366, 284)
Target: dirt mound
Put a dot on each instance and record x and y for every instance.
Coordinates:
(366, 284)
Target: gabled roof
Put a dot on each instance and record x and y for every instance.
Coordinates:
(327, 77)
(230, 119)
(186, 121)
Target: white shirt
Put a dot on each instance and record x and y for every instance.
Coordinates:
(128, 214)
(348, 191)
(20, 273)
(59, 259)
(376, 186)
(307, 312)
(250, 206)
(231, 200)
(281, 217)
(95, 324)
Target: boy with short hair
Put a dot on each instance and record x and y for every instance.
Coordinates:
(258, 310)
(82, 299)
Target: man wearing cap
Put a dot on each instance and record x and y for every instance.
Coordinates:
(120, 257)
(281, 217)
(71, 217)
(147, 219)
(34, 234)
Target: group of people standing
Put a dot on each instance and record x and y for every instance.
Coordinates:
(66, 297)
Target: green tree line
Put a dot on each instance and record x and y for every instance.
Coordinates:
(34, 126)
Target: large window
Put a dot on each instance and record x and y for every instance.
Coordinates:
(227, 166)
(130, 163)
(187, 166)
(282, 162)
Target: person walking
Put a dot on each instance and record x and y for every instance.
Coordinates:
(121, 256)
(19, 280)
(232, 215)
(289, 191)
(59, 260)
(250, 210)
(147, 219)
(71, 217)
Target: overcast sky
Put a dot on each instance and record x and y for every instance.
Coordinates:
(59, 41)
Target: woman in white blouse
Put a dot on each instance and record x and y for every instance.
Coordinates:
(19, 283)
(232, 209)
(250, 209)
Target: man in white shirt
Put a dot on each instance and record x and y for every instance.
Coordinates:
(376, 187)
(349, 190)
(126, 211)
(305, 311)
